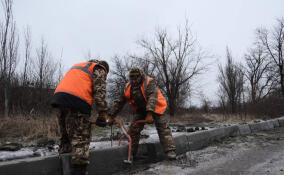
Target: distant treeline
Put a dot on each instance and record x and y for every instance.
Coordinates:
(175, 62)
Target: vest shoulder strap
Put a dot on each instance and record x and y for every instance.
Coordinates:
(85, 69)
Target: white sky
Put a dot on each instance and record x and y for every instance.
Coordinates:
(112, 27)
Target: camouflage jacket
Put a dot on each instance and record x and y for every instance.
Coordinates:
(99, 89)
(137, 96)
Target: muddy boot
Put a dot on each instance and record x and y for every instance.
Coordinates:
(79, 170)
(171, 155)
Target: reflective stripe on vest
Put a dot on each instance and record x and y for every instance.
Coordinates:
(85, 69)
(78, 81)
(161, 103)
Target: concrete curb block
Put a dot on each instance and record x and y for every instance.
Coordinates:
(281, 121)
(109, 161)
(244, 129)
(103, 161)
(32, 166)
(182, 144)
(198, 140)
(275, 122)
(262, 126)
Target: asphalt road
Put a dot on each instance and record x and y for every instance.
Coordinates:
(255, 154)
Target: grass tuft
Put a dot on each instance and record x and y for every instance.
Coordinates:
(24, 129)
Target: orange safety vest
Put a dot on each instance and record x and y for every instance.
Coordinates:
(161, 104)
(78, 81)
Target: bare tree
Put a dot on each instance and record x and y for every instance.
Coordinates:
(60, 69)
(205, 102)
(9, 42)
(118, 77)
(44, 67)
(177, 62)
(273, 42)
(258, 73)
(231, 83)
(28, 59)
(145, 63)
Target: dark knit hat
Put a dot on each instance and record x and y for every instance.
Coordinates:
(135, 71)
(105, 64)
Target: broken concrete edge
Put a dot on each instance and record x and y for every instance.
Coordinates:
(110, 160)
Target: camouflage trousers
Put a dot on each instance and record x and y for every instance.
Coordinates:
(164, 132)
(75, 129)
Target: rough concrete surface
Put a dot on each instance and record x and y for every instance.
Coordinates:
(244, 129)
(33, 166)
(256, 127)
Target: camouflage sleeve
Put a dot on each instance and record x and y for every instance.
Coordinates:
(99, 89)
(152, 96)
(117, 106)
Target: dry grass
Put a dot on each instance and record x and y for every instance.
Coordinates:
(229, 117)
(28, 129)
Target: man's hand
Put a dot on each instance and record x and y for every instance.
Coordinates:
(149, 118)
(101, 120)
(110, 120)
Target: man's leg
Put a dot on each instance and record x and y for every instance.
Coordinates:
(135, 134)
(165, 135)
(79, 128)
(65, 144)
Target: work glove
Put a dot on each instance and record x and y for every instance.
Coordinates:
(149, 118)
(101, 120)
(110, 120)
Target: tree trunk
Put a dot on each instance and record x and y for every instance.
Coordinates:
(282, 80)
(6, 101)
(171, 108)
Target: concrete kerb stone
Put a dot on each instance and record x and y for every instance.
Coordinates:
(221, 133)
(281, 121)
(108, 161)
(202, 139)
(103, 161)
(154, 151)
(198, 140)
(32, 166)
(244, 129)
(274, 122)
(255, 127)
(182, 144)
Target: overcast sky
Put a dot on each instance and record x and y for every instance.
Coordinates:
(110, 27)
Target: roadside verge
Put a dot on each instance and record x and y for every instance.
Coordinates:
(110, 160)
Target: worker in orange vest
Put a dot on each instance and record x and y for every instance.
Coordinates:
(148, 103)
(73, 99)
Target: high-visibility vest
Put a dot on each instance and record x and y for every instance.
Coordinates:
(161, 104)
(78, 81)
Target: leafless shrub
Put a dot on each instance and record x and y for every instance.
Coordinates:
(273, 42)
(231, 84)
